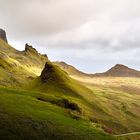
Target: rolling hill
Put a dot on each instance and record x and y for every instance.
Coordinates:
(50, 106)
(44, 100)
(18, 66)
(120, 70)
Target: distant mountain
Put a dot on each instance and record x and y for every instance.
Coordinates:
(120, 70)
(71, 70)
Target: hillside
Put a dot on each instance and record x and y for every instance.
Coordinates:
(18, 66)
(97, 103)
(54, 79)
(40, 100)
(120, 71)
(24, 116)
(50, 106)
(117, 101)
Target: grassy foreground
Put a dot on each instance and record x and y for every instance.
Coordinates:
(24, 116)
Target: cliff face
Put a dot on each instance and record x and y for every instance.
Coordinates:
(3, 35)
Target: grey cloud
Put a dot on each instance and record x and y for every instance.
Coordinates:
(95, 28)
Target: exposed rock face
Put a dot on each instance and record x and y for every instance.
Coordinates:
(3, 35)
(48, 72)
(120, 71)
(29, 50)
(54, 74)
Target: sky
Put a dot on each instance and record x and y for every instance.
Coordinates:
(92, 35)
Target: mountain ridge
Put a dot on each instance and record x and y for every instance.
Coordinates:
(119, 70)
(71, 70)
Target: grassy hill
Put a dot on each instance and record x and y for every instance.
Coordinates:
(40, 103)
(50, 107)
(119, 98)
(24, 116)
(99, 104)
(16, 67)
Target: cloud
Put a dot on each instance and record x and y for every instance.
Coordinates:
(96, 28)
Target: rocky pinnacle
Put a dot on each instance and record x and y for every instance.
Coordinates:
(3, 35)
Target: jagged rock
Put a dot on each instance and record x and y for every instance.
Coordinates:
(47, 72)
(3, 35)
(45, 56)
(29, 48)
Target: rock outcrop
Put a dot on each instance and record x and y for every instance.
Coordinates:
(47, 72)
(3, 35)
(54, 74)
(29, 50)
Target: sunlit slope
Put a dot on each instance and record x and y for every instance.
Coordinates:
(119, 98)
(54, 81)
(25, 116)
(114, 109)
(16, 67)
(54, 77)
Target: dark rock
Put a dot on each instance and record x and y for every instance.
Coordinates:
(47, 72)
(45, 56)
(29, 48)
(3, 35)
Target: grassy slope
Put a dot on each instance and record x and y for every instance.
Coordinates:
(17, 67)
(113, 107)
(25, 117)
(61, 85)
(117, 97)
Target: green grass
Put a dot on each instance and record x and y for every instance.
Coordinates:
(59, 107)
(23, 116)
(17, 67)
(117, 101)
